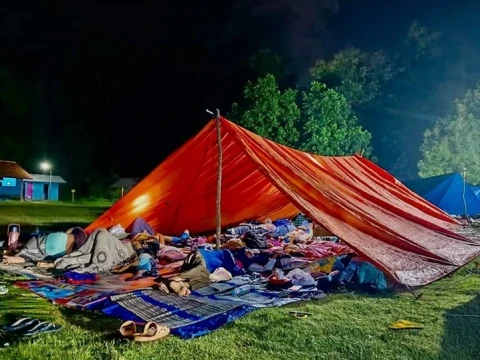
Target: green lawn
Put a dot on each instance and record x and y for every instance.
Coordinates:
(344, 326)
(48, 216)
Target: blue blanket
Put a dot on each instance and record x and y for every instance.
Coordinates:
(207, 309)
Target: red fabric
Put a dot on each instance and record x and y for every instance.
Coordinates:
(378, 217)
(323, 249)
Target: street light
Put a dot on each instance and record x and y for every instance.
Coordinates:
(47, 167)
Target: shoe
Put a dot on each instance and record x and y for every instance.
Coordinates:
(129, 329)
(22, 324)
(43, 327)
(152, 332)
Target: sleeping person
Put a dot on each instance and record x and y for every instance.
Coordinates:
(266, 227)
(193, 276)
(44, 249)
(301, 234)
(196, 269)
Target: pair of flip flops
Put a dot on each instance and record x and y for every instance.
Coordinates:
(151, 332)
(30, 327)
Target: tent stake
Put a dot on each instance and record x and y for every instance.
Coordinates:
(413, 292)
(219, 180)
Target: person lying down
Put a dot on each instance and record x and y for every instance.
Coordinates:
(193, 276)
(43, 249)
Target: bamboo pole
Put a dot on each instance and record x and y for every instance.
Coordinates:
(463, 193)
(219, 181)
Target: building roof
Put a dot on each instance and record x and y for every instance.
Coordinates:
(42, 178)
(126, 182)
(11, 169)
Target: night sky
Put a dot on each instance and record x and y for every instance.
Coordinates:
(147, 70)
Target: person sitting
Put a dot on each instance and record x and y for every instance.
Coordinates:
(46, 248)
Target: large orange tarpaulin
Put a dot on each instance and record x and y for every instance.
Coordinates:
(397, 230)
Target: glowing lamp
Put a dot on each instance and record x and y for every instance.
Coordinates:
(45, 166)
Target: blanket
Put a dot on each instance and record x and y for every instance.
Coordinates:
(187, 317)
(28, 271)
(89, 296)
(99, 253)
(34, 249)
(205, 310)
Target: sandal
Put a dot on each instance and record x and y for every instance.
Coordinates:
(43, 327)
(299, 314)
(22, 324)
(152, 332)
(129, 329)
(405, 324)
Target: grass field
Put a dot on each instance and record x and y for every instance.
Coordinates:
(343, 326)
(48, 216)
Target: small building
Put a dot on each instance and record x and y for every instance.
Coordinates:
(42, 187)
(125, 184)
(12, 177)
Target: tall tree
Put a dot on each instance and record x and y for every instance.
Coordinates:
(269, 111)
(324, 118)
(331, 127)
(452, 143)
(359, 76)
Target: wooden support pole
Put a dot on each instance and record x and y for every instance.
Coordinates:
(219, 181)
(463, 192)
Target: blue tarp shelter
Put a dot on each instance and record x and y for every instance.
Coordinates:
(446, 192)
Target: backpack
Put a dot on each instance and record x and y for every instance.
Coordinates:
(254, 241)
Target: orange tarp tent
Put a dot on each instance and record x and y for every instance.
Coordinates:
(397, 230)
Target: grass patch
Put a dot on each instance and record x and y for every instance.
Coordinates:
(48, 216)
(343, 326)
